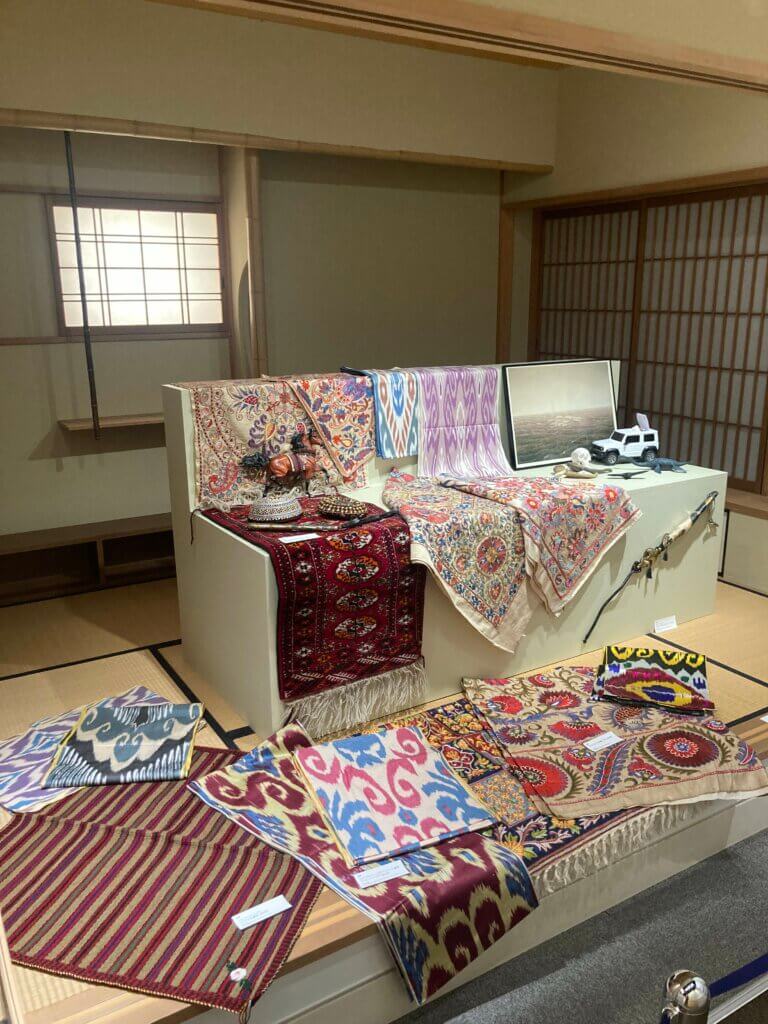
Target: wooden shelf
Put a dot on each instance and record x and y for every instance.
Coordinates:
(74, 559)
(747, 503)
(151, 419)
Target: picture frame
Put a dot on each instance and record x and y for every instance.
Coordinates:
(554, 406)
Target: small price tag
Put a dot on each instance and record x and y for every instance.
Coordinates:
(605, 739)
(260, 912)
(299, 536)
(665, 625)
(764, 718)
(381, 873)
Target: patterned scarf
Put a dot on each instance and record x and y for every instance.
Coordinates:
(136, 885)
(474, 548)
(145, 743)
(567, 527)
(459, 422)
(395, 402)
(453, 901)
(577, 757)
(340, 406)
(388, 793)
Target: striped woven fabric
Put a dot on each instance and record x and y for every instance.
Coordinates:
(135, 886)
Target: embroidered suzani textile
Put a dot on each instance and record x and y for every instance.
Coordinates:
(395, 403)
(233, 419)
(547, 725)
(144, 743)
(350, 602)
(459, 422)
(455, 899)
(388, 793)
(340, 407)
(135, 886)
(676, 680)
(474, 548)
(25, 759)
(567, 527)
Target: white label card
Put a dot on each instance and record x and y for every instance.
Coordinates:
(764, 718)
(260, 912)
(664, 625)
(299, 536)
(605, 739)
(381, 873)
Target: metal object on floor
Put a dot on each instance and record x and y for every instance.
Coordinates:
(686, 999)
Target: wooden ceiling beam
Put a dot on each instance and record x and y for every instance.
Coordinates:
(488, 31)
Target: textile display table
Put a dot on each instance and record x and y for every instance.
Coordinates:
(228, 595)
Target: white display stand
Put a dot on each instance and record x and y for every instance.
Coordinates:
(228, 600)
(228, 594)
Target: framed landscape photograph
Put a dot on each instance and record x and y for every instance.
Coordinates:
(554, 407)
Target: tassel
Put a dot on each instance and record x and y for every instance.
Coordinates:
(611, 846)
(358, 703)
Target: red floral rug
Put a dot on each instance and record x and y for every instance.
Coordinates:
(350, 603)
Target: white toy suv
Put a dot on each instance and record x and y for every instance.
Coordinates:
(638, 442)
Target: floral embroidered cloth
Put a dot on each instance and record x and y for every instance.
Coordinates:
(350, 603)
(237, 418)
(25, 759)
(143, 743)
(340, 406)
(459, 422)
(455, 899)
(567, 527)
(474, 548)
(395, 403)
(549, 727)
(676, 680)
(388, 793)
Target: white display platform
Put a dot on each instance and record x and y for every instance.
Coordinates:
(228, 594)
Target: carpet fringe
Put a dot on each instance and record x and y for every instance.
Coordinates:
(358, 703)
(612, 845)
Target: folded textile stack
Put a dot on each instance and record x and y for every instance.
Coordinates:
(26, 759)
(577, 756)
(388, 793)
(437, 909)
(675, 680)
(143, 743)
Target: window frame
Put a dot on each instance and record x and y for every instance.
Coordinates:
(137, 202)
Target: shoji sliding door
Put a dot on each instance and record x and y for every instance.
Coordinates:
(679, 293)
(588, 264)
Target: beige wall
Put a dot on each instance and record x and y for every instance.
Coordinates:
(614, 130)
(47, 477)
(372, 263)
(150, 62)
(738, 28)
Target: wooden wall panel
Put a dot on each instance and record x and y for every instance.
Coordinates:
(677, 288)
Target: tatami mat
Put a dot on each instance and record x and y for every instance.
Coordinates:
(25, 699)
(204, 689)
(735, 634)
(66, 629)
